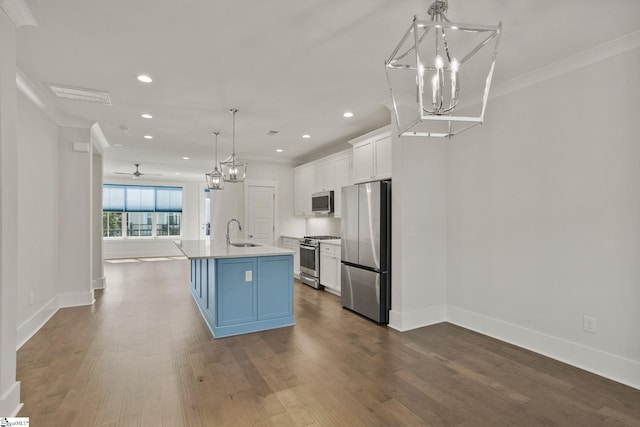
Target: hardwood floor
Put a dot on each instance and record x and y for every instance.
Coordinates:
(143, 356)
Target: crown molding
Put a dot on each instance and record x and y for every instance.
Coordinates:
(18, 12)
(591, 56)
(30, 90)
(98, 139)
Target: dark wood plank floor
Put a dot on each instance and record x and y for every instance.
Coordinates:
(143, 356)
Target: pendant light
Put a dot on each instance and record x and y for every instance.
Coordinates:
(234, 170)
(215, 178)
(439, 68)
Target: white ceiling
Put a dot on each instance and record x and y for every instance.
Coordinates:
(287, 65)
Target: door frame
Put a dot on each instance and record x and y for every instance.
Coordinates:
(263, 183)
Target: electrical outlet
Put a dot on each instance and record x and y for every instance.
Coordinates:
(589, 324)
(248, 276)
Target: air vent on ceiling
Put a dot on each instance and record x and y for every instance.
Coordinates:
(272, 132)
(79, 94)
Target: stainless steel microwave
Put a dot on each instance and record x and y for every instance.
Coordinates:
(322, 203)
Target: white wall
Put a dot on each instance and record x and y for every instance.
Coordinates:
(37, 209)
(159, 247)
(74, 233)
(9, 387)
(418, 192)
(225, 204)
(544, 218)
(288, 224)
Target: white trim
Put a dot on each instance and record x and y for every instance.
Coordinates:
(19, 13)
(98, 139)
(10, 402)
(582, 59)
(32, 92)
(405, 321)
(617, 368)
(100, 282)
(75, 299)
(29, 327)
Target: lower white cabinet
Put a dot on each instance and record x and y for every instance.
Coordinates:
(293, 244)
(330, 267)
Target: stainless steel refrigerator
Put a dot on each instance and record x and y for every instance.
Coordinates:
(366, 249)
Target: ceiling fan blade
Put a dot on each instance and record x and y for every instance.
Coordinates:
(123, 173)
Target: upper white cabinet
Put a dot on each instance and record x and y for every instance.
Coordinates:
(342, 176)
(324, 175)
(372, 156)
(327, 174)
(304, 185)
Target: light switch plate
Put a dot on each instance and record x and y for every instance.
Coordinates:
(248, 276)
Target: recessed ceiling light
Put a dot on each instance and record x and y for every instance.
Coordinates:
(306, 136)
(279, 150)
(117, 145)
(185, 158)
(177, 173)
(148, 137)
(146, 116)
(144, 78)
(348, 114)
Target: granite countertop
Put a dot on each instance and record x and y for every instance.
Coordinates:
(218, 249)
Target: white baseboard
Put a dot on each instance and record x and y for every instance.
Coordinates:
(10, 401)
(619, 369)
(29, 327)
(100, 283)
(75, 299)
(405, 321)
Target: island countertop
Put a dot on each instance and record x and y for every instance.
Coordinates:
(217, 248)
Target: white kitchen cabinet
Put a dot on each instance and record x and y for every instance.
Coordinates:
(372, 157)
(342, 178)
(304, 185)
(330, 173)
(293, 244)
(325, 179)
(330, 267)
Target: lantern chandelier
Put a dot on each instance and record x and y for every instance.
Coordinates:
(233, 169)
(215, 178)
(434, 71)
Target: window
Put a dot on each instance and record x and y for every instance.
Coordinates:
(139, 224)
(147, 211)
(112, 224)
(168, 223)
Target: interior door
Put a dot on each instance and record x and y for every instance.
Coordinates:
(261, 213)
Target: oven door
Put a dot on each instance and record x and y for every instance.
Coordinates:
(309, 260)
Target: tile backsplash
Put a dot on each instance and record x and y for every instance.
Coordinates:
(323, 226)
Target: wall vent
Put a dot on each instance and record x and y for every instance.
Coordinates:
(80, 94)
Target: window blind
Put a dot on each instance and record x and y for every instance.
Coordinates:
(140, 198)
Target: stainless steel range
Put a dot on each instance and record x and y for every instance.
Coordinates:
(310, 260)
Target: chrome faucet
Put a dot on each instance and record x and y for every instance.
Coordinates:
(228, 224)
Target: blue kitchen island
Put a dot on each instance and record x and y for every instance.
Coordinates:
(241, 289)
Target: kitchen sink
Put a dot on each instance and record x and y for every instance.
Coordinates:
(244, 245)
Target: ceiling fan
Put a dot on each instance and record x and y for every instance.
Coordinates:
(137, 173)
